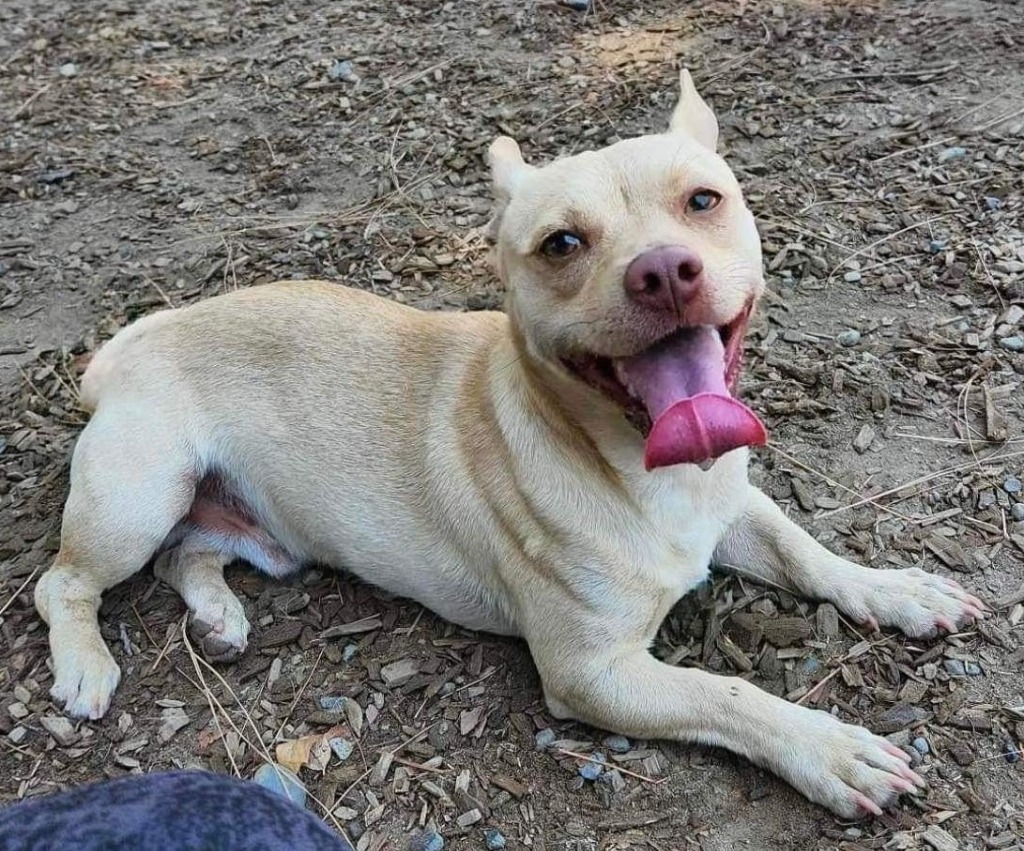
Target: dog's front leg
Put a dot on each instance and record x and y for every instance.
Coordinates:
(842, 767)
(766, 543)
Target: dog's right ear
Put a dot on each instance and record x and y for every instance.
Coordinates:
(692, 115)
(507, 171)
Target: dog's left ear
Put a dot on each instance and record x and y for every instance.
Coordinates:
(692, 115)
(507, 166)
(507, 171)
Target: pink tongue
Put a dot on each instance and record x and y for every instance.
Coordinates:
(682, 384)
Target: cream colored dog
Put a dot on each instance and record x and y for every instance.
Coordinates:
(548, 473)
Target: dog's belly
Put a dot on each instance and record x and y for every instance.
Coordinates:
(231, 518)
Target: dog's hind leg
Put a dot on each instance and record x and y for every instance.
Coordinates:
(217, 620)
(131, 482)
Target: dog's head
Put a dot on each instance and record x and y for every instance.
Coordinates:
(634, 269)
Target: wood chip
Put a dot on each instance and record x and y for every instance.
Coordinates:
(940, 839)
(399, 672)
(380, 771)
(513, 787)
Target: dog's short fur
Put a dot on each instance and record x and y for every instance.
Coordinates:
(167, 811)
(469, 462)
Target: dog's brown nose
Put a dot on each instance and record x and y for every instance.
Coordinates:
(664, 278)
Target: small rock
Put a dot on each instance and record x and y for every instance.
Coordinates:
(427, 840)
(1013, 344)
(399, 672)
(920, 744)
(17, 735)
(544, 738)
(342, 748)
(17, 710)
(343, 72)
(1011, 752)
(951, 154)
(468, 819)
(973, 669)
(1012, 315)
(937, 246)
(617, 744)
(848, 339)
(349, 653)
(1017, 511)
(494, 839)
(69, 69)
(577, 5)
(852, 277)
(330, 703)
(281, 781)
(986, 499)
(55, 175)
(954, 667)
(992, 203)
(613, 777)
(592, 770)
(865, 437)
(355, 828)
(1012, 484)
(60, 728)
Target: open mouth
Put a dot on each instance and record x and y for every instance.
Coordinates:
(678, 393)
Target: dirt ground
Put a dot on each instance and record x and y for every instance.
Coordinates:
(152, 154)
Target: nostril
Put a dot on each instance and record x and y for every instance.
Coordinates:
(651, 282)
(689, 269)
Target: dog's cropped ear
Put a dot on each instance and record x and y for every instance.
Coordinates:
(507, 166)
(692, 115)
(507, 170)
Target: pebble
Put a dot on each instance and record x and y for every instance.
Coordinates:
(342, 748)
(1017, 511)
(349, 653)
(544, 738)
(60, 728)
(1013, 344)
(954, 667)
(17, 735)
(427, 840)
(69, 69)
(469, 818)
(973, 669)
(1011, 752)
(617, 744)
(281, 781)
(852, 277)
(1012, 315)
(920, 744)
(993, 203)
(331, 703)
(577, 5)
(342, 71)
(592, 770)
(937, 246)
(951, 154)
(900, 717)
(1012, 484)
(494, 839)
(355, 828)
(848, 339)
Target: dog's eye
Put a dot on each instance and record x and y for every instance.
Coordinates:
(561, 244)
(703, 200)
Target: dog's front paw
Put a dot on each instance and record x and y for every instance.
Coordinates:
(918, 603)
(843, 767)
(85, 680)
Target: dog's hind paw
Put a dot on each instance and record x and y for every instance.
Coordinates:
(221, 630)
(85, 682)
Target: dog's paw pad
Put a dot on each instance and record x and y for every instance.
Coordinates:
(223, 639)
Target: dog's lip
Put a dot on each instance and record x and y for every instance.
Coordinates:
(599, 370)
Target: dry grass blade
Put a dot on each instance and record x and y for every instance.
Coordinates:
(20, 588)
